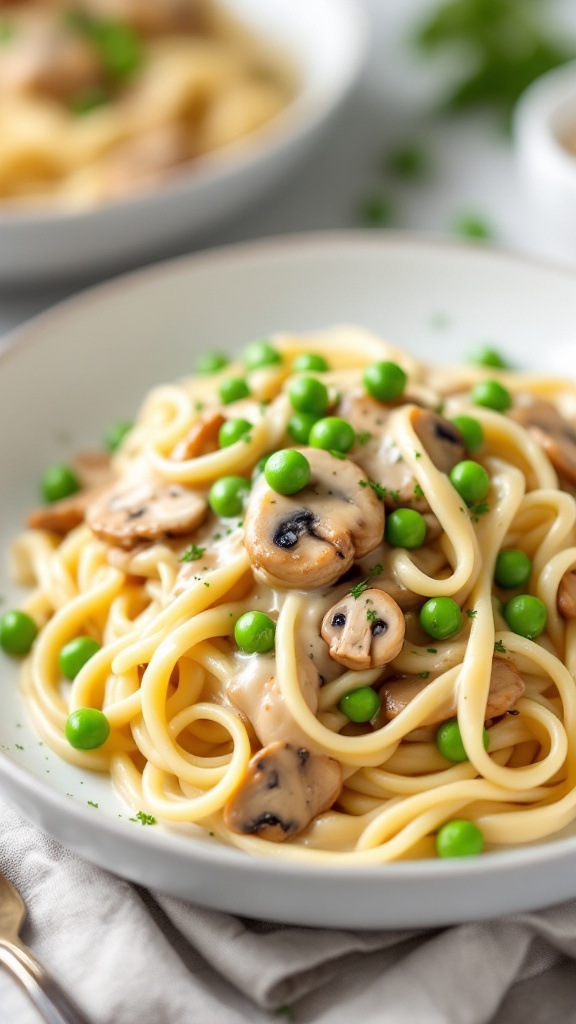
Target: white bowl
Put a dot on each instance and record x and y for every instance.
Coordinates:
(324, 38)
(69, 373)
(544, 115)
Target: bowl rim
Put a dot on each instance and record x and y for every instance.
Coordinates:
(302, 115)
(19, 778)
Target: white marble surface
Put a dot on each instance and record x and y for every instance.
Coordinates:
(472, 166)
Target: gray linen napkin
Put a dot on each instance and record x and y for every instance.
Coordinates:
(135, 957)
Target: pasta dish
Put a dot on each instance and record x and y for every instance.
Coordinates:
(103, 98)
(319, 602)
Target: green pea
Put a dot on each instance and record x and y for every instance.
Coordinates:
(471, 430)
(308, 394)
(287, 471)
(361, 705)
(75, 654)
(232, 389)
(87, 729)
(513, 568)
(211, 362)
(232, 431)
(487, 356)
(308, 362)
(491, 395)
(459, 838)
(449, 741)
(405, 528)
(526, 615)
(332, 433)
(59, 481)
(17, 632)
(261, 353)
(300, 425)
(227, 495)
(471, 481)
(440, 617)
(116, 434)
(385, 381)
(254, 633)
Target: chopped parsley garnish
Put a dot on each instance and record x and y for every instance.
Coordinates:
(478, 510)
(285, 1011)
(408, 161)
(359, 589)
(371, 614)
(418, 455)
(375, 211)
(499, 646)
(145, 819)
(92, 804)
(423, 675)
(192, 554)
(471, 613)
(363, 437)
(418, 492)
(378, 489)
(472, 226)
(432, 650)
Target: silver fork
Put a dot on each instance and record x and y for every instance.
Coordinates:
(46, 994)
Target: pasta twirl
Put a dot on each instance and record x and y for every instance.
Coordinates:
(334, 616)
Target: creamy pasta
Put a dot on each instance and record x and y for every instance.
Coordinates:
(102, 98)
(322, 605)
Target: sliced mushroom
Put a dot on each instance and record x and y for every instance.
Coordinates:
(127, 514)
(441, 439)
(381, 458)
(506, 688)
(555, 435)
(94, 473)
(311, 538)
(201, 439)
(566, 598)
(284, 789)
(366, 631)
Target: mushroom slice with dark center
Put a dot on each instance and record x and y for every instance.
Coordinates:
(555, 435)
(127, 514)
(379, 455)
(366, 631)
(441, 439)
(285, 787)
(566, 597)
(506, 688)
(311, 538)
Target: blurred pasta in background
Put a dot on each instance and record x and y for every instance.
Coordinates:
(102, 98)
